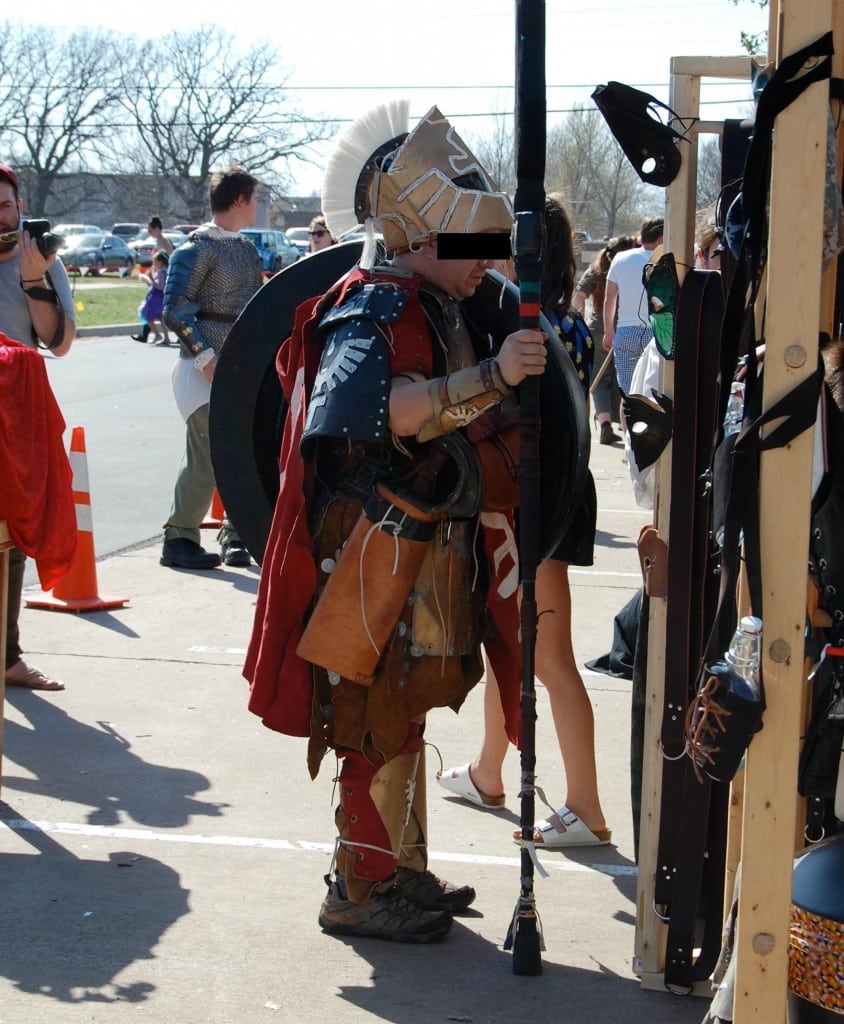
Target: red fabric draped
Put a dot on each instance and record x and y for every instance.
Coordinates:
(36, 482)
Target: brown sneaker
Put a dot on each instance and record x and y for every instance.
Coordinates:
(425, 890)
(608, 435)
(385, 915)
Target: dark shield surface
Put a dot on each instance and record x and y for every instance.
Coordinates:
(247, 407)
(247, 410)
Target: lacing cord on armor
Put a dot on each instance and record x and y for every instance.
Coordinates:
(349, 845)
(443, 617)
(394, 529)
(704, 723)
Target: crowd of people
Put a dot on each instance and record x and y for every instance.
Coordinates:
(383, 595)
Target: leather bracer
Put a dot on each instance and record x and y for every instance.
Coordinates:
(463, 396)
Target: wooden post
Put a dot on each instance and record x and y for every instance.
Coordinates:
(649, 950)
(792, 318)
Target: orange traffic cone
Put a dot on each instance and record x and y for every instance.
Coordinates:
(216, 513)
(77, 590)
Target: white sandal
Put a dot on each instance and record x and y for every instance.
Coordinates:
(565, 830)
(459, 782)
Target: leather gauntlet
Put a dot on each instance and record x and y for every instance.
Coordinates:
(463, 396)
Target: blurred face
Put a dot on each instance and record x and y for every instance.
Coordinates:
(10, 214)
(458, 278)
(319, 237)
(709, 258)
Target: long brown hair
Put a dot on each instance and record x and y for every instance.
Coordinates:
(559, 267)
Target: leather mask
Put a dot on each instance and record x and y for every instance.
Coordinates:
(648, 144)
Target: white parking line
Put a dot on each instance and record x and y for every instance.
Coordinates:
(66, 828)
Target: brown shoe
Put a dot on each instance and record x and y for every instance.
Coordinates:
(385, 915)
(425, 890)
(608, 435)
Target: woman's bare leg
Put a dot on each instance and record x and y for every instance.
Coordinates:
(571, 707)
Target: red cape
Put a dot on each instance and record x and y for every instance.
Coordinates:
(36, 496)
(281, 682)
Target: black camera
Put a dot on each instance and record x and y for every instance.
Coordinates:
(40, 233)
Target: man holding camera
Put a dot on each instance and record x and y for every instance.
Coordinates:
(36, 308)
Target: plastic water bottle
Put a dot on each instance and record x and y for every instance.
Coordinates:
(740, 667)
(735, 409)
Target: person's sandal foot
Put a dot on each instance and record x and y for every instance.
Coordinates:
(564, 830)
(459, 782)
(29, 678)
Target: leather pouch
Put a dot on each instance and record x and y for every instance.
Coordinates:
(366, 591)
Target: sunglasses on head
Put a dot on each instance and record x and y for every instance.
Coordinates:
(318, 233)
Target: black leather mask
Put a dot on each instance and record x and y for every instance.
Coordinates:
(648, 144)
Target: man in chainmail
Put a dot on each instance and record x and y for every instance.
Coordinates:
(391, 552)
(210, 279)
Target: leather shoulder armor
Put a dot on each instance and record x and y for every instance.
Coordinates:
(351, 392)
(381, 302)
(350, 396)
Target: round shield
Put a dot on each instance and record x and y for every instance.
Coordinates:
(247, 407)
(247, 410)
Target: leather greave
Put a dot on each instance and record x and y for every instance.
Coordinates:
(381, 817)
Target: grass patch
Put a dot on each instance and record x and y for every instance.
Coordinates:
(103, 300)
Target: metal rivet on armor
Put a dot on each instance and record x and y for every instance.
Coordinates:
(795, 355)
(822, 563)
(401, 629)
(334, 678)
(780, 651)
(402, 683)
(830, 590)
(817, 533)
(838, 615)
(328, 565)
(416, 650)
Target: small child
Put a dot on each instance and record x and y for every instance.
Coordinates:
(153, 305)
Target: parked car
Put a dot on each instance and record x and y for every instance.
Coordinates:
(127, 231)
(145, 246)
(91, 254)
(77, 229)
(299, 237)
(274, 248)
(184, 228)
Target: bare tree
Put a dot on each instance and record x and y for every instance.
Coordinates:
(201, 104)
(58, 95)
(588, 168)
(497, 153)
(708, 171)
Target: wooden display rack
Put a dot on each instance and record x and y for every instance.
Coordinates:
(798, 302)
